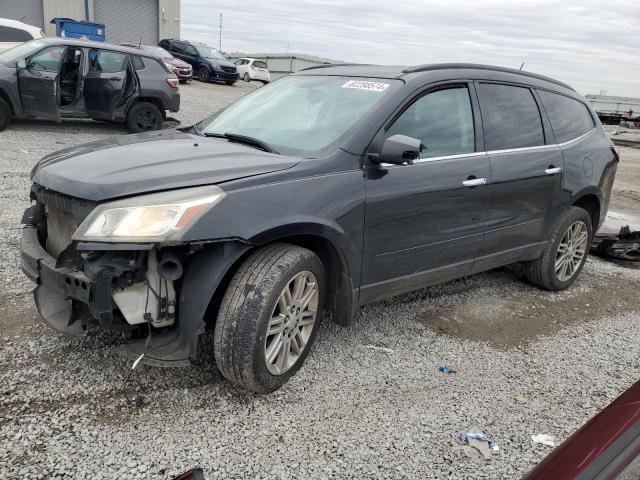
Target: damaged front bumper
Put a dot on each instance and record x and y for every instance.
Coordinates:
(117, 287)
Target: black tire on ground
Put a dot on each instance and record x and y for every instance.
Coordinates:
(203, 74)
(144, 116)
(247, 78)
(5, 114)
(230, 83)
(240, 337)
(542, 271)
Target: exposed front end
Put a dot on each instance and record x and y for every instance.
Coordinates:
(131, 286)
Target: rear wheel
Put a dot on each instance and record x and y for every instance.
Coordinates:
(144, 116)
(5, 114)
(203, 74)
(269, 317)
(566, 253)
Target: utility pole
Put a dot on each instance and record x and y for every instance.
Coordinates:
(220, 40)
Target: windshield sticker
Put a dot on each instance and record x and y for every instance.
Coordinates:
(364, 85)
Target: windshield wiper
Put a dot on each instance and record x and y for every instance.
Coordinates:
(244, 139)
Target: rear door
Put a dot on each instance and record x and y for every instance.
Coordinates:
(38, 83)
(423, 221)
(526, 167)
(106, 84)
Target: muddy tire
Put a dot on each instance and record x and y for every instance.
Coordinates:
(144, 116)
(566, 253)
(5, 114)
(255, 317)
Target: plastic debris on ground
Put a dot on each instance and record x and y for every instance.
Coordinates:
(446, 369)
(625, 246)
(380, 349)
(480, 442)
(544, 439)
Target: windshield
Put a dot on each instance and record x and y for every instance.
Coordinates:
(300, 114)
(209, 52)
(21, 51)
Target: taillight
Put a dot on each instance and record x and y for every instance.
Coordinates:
(173, 82)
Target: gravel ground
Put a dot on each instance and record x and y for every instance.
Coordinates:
(527, 362)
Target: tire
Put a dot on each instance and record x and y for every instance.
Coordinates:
(144, 116)
(252, 307)
(543, 271)
(5, 114)
(230, 83)
(203, 74)
(246, 77)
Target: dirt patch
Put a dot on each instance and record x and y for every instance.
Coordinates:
(510, 321)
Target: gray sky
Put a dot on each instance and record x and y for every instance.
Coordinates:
(592, 45)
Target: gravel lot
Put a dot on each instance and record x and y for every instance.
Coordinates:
(352, 411)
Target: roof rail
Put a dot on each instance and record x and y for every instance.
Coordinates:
(326, 65)
(476, 66)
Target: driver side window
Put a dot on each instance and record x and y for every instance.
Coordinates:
(47, 60)
(443, 120)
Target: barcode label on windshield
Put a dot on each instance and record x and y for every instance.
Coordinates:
(364, 85)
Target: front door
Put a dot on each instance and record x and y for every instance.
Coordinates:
(423, 221)
(527, 174)
(105, 85)
(38, 83)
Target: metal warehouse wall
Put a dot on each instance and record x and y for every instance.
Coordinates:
(27, 11)
(63, 8)
(128, 21)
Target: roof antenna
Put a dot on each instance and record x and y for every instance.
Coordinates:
(140, 44)
(521, 66)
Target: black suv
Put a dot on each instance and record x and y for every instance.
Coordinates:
(325, 190)
(56, 78)
(207, 62)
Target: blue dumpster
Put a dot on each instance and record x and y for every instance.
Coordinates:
(70, 28)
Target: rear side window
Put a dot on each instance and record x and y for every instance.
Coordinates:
(178, 47)
(8, 34)
(510, 116)
(443, 120)
(108, 62)
(138, 64)
(569, 118)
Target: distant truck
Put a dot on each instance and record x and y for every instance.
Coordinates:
(613, 110)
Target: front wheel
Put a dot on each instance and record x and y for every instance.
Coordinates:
(269, 317)
(566, 252)
(203, 74)
(5, 114)
(144, 116)
(247, 78)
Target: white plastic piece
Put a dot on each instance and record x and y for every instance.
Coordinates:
(133, 300)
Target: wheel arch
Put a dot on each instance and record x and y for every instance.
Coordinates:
(590, 201)
(7, 98)
(154, 100)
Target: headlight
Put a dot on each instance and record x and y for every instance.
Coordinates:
(163, 216)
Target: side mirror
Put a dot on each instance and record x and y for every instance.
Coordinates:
(400, 149)
(22, 63)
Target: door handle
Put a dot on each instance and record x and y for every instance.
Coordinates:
(115, 79)
(474, 182)
(553, 170)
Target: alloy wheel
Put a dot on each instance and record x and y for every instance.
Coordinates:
(571, 251)
(146, 120)
(291, 323)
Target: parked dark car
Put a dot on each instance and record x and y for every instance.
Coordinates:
(180, 69)
(56, 78)
(607, 447)
(207, 62)
(320, 192)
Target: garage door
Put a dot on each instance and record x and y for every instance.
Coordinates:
(27, 11)
(128, 21)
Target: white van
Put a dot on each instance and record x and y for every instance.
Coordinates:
(14, 33)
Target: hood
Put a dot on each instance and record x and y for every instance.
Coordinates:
(217, 61)
(176, 62)
(151, 161)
